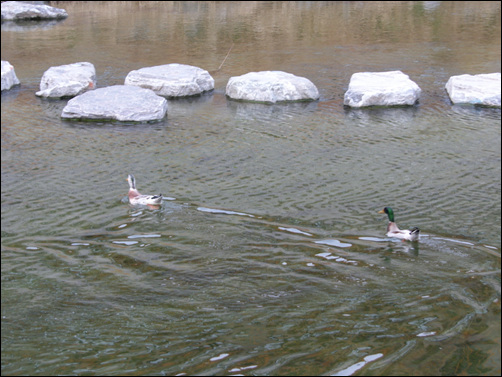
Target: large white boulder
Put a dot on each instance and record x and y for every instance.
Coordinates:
(67, 80)
(172, 80)
(271, 86)
(481, 89)
(119, 102)
(9, 78)
(16, 10)
(392, 88)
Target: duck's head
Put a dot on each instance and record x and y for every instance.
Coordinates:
(132, 181)
(389, 213)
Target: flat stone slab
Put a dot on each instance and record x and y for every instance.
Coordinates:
(9, 78)
(271, 87)
(119, 102)
(392, 88)
(17, 11)
(67, 80)
(483, 89)
(172, 80)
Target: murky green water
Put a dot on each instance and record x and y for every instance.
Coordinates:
(271, 259)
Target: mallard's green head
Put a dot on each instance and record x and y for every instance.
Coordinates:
(389, 212)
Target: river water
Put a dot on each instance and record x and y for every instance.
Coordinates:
(267, 256)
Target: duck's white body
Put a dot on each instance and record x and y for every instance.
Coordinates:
(136, 198)
(404, 234)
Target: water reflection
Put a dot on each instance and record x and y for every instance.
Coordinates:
(264, 112)
(394, 115)
(29, 25)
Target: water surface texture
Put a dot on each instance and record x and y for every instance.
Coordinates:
(267, 256)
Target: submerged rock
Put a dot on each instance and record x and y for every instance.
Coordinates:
(483, 89)
(9, 78)
(392, 88)
(271, 86)
(67, 80)
(172, 80)
(119, 102)
(16, 11)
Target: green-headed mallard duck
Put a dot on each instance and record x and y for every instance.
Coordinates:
(395, 232)
(136, 198)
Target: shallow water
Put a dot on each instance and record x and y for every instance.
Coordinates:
(268, 256)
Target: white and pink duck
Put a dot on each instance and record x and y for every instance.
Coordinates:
(136, 198)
